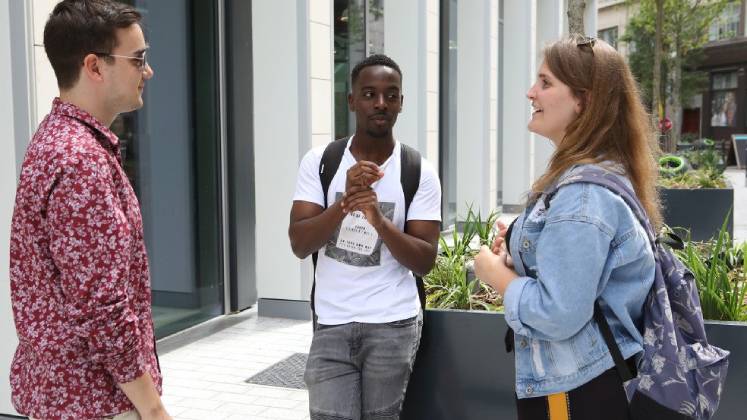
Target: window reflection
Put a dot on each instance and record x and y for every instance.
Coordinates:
(359, 32)
(448, 111)
(724, 100)
(170, 154)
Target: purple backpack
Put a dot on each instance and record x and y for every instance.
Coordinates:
(681, 376)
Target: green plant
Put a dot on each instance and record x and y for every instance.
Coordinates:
(688, 138)
(700, 178)
(705, 156)
(483, 229)
(719, 268)
(448, 285)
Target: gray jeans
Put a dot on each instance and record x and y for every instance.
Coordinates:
(360, 371)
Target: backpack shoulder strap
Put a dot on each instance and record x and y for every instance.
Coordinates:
(410, 174)
(611, 181)
(410, 180)
(328, 166)
(330, 162)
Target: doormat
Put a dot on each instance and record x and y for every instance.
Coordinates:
(287, 373)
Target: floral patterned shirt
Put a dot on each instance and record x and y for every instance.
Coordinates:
(80, 287)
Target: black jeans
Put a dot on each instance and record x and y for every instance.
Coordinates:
(601, 398)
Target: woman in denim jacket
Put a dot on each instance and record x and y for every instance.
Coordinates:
(585, 246)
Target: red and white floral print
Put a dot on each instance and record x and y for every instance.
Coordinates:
(80, 286)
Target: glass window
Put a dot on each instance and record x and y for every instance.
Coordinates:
(609, 36)
(171, 155)
(727, 25)
(499, 95)
(375, 26)
(724, 81)
(448, 110)
(359, 32)
(724, 109)
(724, 99)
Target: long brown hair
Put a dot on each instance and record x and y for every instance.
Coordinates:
(613, 124)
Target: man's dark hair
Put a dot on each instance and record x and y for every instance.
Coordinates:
(77, 28)
(374, 60)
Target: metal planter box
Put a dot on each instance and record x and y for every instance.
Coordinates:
(702, 211)
(462, 370)
(731, 336)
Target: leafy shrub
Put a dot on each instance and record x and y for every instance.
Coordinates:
(693, 179)
(719, 268)
(701, 167)
(450, 284)
(688, 138)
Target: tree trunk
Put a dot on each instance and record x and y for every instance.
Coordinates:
(576, 16)
(658, 110)
(674, 135)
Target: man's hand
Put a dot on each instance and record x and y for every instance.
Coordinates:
(364, 199)
(362, 174)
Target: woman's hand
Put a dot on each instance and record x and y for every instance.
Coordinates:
(500, 239)
(499, 243)
(492, 268)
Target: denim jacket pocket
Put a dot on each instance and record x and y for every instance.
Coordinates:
(528, 247)
(531, 229)
(555, 359)
(588, 345)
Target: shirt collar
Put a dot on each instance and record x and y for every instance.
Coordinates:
(59, 107)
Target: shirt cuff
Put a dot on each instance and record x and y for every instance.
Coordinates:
(511, 300)
(128, 366)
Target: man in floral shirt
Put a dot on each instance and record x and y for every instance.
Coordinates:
(80, 286)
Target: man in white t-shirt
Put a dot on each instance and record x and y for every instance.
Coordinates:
(366, 299)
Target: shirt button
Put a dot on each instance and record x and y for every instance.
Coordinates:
(523, 343)
(530, 390)
(526, 244)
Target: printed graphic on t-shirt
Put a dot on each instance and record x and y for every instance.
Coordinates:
(355, 241)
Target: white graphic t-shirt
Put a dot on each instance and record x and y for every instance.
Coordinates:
(357, 278)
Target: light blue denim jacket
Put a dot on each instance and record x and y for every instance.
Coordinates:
(586, 245)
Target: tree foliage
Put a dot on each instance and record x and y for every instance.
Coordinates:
(684, 34)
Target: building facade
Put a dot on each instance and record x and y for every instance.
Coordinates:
(723, 104)
(243, 89)
(720, 109)
(612, 21)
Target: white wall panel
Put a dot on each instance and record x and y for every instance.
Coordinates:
(281, 78)
(8, 340)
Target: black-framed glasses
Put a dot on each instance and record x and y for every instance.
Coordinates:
(142, 62)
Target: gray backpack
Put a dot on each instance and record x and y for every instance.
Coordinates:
(681, 376)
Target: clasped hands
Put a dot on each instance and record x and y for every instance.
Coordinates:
(359, 194)
(494, 265)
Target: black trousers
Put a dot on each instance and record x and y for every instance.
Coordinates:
(601, 398)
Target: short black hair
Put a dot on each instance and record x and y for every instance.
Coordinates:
(77, 28)
(374, 60)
